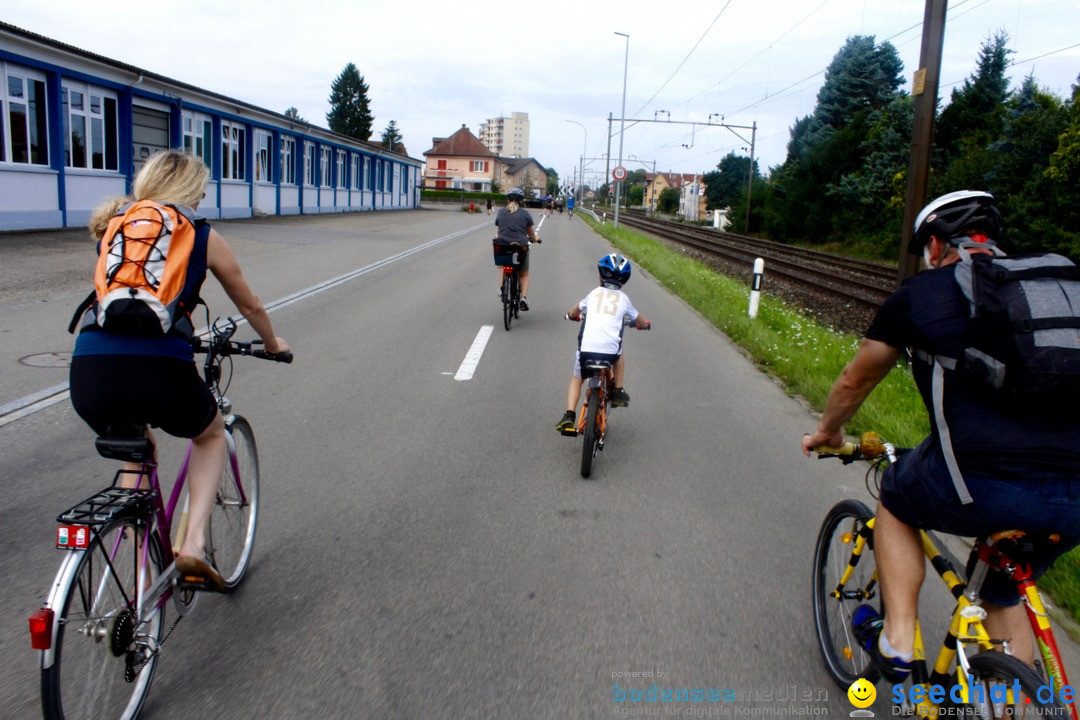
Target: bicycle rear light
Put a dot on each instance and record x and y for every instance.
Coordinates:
(41, 624)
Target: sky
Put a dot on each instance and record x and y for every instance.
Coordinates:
(433, 67)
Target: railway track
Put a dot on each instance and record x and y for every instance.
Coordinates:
(829, 278)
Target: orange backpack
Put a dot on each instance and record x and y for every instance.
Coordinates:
(151, 264)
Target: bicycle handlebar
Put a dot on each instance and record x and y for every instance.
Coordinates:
(870, 447)
(648, 324)
(224, 347)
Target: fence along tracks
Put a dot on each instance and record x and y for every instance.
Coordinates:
(828, 278)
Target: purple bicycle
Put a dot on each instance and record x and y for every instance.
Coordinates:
(101, 631)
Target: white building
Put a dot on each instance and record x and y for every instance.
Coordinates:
(77, 126)
(507, 137)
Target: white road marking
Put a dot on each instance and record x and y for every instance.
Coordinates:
(472, 358)
(42, 399)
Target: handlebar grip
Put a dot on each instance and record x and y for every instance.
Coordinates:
(848, 449)
(282, 357)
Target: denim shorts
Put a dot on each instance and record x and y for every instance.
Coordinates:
(581, 359)
(919, 491)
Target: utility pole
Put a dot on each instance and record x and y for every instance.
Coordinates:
(925, 91)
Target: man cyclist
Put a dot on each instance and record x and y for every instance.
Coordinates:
(570, 206)
(1020, 464)
(515, 225)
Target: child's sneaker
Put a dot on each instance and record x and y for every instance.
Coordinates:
(568, 424)
(867, 624)
(522, 305)
(619, 398)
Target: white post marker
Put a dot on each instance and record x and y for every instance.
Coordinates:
(755, 287)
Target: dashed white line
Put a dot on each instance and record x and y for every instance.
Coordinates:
(472, 358)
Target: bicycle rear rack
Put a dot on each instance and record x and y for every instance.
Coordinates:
(112, 503)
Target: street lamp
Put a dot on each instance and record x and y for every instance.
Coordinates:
(584, 149)
(622, 123)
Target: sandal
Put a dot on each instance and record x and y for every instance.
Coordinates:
(198, 574)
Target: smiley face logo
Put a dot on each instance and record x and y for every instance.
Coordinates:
(862, 693)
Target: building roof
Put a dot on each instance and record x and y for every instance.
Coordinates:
(514, 165)
(462, 144)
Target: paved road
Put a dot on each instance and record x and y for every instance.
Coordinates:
(427, 548)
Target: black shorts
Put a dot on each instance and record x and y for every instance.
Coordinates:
(113, 391)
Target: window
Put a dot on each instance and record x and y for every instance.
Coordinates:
(23, 123)
(391, 171)
(324, 166)
(310, 170)
(479, 166)
(357, 172)
(198, 137)
(382, 174)
(264, 152)
(90, 129)
(368, 183)
(288, 163)
(342, 179)
(233, 151)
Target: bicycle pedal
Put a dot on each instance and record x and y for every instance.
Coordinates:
(196, 582)
(570, 433)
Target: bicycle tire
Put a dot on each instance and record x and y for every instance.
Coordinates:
(588, 450)
(993, 671)
(234, 517)
(515, 283)
(844, 659)
(507, 300)
(96, 633)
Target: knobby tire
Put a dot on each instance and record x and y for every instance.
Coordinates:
(588, 450)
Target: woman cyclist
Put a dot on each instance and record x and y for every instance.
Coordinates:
(126, 380)
(515, 225)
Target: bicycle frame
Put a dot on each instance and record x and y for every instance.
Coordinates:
(966, 626)
(597, 386)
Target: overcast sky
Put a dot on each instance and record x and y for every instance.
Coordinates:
(435, 66)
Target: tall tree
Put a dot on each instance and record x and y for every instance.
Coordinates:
(391, 138)
(294, 114)
(726, 186)
(973, 117)
(350, 108)
(862, 76)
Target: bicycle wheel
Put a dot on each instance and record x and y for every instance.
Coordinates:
(995, 679)
(588, 450)
(507, 300)
(235, 515)
(104, 656)
(834, 605)
(515, 293)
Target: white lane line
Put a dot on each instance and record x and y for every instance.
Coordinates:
(472, 358)
(42, 399)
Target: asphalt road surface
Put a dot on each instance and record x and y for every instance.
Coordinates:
(427, 548)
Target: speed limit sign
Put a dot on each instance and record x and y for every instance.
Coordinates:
(619, 173)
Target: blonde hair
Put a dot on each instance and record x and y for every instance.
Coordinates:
(511, 207)
(169, 176)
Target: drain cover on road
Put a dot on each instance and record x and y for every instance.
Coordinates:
(48, 360)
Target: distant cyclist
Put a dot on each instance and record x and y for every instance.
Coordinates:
(515, 225)
(570, 205)
(606, 310)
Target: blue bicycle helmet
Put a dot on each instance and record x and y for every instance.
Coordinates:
(515, 195)
(614, 269)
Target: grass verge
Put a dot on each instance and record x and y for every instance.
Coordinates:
(807, 358)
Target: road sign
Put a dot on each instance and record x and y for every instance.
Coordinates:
(619, 173)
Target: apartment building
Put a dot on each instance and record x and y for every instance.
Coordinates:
(506, 136)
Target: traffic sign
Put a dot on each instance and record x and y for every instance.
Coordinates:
(619, 173)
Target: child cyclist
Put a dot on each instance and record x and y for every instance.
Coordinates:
(606, 311)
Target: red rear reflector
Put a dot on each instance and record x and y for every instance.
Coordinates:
(41, 624)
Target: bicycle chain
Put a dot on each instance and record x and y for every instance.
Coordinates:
(130, 671)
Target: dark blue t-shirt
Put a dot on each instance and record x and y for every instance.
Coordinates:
(990, 436)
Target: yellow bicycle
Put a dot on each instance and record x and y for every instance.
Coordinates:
(971, 675)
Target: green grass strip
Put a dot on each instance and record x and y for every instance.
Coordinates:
(806, 357)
